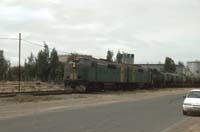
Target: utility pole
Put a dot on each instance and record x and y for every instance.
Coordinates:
(19, 62)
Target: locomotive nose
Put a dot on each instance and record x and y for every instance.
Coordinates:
(73, 75)
(74, 65)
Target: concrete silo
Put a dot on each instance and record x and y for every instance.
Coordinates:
(128, 58)
(194, 67)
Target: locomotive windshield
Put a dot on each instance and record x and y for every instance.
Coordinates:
(84, 61)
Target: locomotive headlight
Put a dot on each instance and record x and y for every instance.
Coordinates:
(73, 65)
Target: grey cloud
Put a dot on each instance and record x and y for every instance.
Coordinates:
(152, 29)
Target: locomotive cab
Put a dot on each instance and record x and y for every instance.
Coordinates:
(76, 73)
(71, 70)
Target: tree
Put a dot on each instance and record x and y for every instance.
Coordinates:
(72, 56)
(54, 64)
(30, 68)
(13, 73)
(4, 67)
(180, 63)
(109, 55)
(119, 57)
(42, 63)
(60, 71)
(169, 65)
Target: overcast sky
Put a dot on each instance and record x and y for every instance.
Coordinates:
(151, 29)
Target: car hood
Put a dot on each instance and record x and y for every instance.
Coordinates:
(195, 101)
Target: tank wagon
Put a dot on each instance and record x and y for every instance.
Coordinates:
(90, 74)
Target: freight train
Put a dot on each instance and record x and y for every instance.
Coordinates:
(89, 74)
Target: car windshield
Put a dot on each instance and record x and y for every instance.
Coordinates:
(194, 94)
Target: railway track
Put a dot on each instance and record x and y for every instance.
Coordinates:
(62, 92)
(35, 93)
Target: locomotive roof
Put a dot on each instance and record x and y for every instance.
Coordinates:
(106, 62)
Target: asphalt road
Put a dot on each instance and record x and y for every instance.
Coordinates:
(152, 115)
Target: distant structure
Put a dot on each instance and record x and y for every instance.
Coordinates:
(194, 67)
(188, 72)
(128, 58)
(160, 67)
(64, 58)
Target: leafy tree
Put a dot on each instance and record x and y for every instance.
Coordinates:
(13, 73)
(30, 68)
(72, 56)
(169, 65)
(119, 57)
(42, 63)
(59, 71)
(109, 55)
(53, 64)
(4, 67)
(180, 63)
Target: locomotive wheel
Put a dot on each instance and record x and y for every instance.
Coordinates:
(68, 89)
(80, 89)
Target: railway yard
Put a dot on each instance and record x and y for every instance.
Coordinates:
(96, 106)
(93, 95)
(99, 66)
(97, 96)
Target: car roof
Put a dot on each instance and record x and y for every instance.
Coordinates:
(195, 90)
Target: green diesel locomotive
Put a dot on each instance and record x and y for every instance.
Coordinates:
(90, 74)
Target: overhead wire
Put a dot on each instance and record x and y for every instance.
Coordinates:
(40, 45)
(10, 38)
(36, 44)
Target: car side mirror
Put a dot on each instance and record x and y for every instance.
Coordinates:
(184, 96)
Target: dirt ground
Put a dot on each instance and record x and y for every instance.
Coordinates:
(190, 124)
(27, 86)
(28, 105)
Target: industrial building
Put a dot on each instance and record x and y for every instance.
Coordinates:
(128, 58)
(194, 68)
(64, 58)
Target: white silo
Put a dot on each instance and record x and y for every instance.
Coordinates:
(194, 67)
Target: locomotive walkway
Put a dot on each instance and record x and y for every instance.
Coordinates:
(148, 115)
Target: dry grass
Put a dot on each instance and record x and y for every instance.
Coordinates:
(136, 91)
(80, 96)
(30, 98)
(27, 86)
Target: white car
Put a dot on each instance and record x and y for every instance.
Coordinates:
(192, 102)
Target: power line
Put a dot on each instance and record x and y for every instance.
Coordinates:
(32, 43)
(36, 44)
(10, 38)
(40, 45)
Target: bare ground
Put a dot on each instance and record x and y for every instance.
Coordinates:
(27, 86)
(190, 124)
(29, 105)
